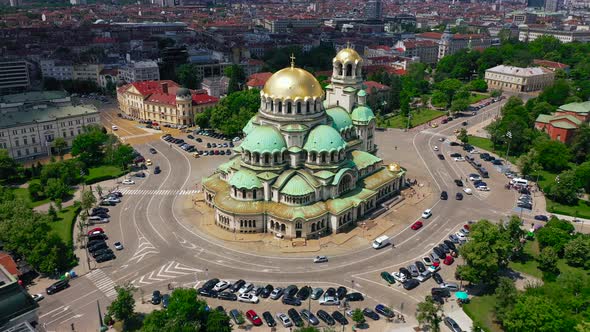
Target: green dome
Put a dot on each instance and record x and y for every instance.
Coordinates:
(361, 93)
(297, 186)
(340, 118)
(264, 139)
(362, 114)
(324, 138)
(249, 126)
(245, 180)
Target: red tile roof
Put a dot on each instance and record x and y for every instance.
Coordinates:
(9, 264)
(430, 35)
(258, 79)
(550, 64)
(372, 84)
(153, 91)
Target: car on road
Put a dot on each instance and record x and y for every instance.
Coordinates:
(458, 182)
(291, 301)
(310, 317)
(440, 156)
(118, 245)
(387, 277)
(284, 319)
(385, 311)
(228, 296)
(411, 284)
(221, 286)
(325, 317)
(339, 317)
(444, 196)
(153, 151)
(248, 298)
(435, 148)
(236, 316)
(452, 325)
(237, 285)
(417, 225)
(38, 297)
(270, 322)
(316, 293)
(541, 217)
(426, 214)
(252, 316)
(459, 196)
(139, 175)
(156, 297)
(320, 259)
(459, 159)
(276, 293)
(354, 297)
(57, 286)
(370, 313)
(295, 317)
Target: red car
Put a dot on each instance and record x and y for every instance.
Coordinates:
(417, 225)
(253, 317)
(448, 260)
(97, 229)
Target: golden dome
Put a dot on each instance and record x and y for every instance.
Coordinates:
(292, 83)
(348, 55)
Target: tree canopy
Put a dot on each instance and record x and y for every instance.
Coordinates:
(232, 113)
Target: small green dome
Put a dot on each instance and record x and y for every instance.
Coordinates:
(324, 138)
(243, 179)
(249, 126)
(297, 186)
(361, 93)
(362, 115)
(264, 139)
(340, 118)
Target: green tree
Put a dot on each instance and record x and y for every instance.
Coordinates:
(358, 317)
(51, 212)
(87, 200)
(56, 189)
(428, 313)
(459, 105)
(527, 163)
(506, 297)
(123, 307)
(582, 173)
(218, 321)
(557, 93)
(50, 83)
(554, 235)
(184, 313)
(60, 145)
(462, 136)
(479, 85)
(565, 188)
(35, 191)
(496, 93)
(88, 146)
(577, 252)
(548, 260)
(9, 168)
(307, 329)
(232, 113)
(187, 76)
(533, 313)
(236, 78)
(123, 156)
(552, 155)
(581, 144)
(449, 88)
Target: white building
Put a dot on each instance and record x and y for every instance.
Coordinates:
(14, 75)
(528, 34)
(86, 72)
(215, 86)
(61, 71)
(29, 133)
(509, 78)
(140, 71)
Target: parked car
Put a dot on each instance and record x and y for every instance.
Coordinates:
(118, 245)
(284, 319)
(228, 296)
(156, 297)
(165, 300)
(276, 293)
(295, 317)
(459, 196)
(266, 291)
(341, 292)
(444, 196)
(252, 316)
(339, 317)
(304, 293)
(270, 322)
(437, 278)
(370, 313)
(411, 284)
(353, 297)
(248, 298)
(207, 292)
(452, 325)
(420, 266)
(209, 284)
(385, 311)
(387, 277)
(236, 316)
(310, 317)
(316, 293)
(57, 286)
(221, 286)
(325, 317)
(291, 301)
(237, 285)
(541, 217)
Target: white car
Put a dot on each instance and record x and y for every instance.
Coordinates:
(118, 245)
(442, 139)
(128, 181)
(246, 288)
(399, 277)
(426, 214)
(459, 159)
(435, 148)
(114, 128)
(112, 199)
(221, 286)
(474, 177)
(483, 188)
(248, 298)
(461, 236)
(38, 297)
(99, 221)
(320, 259)
(468, 191)
(329, 300)
(281, 317)
(427, 261)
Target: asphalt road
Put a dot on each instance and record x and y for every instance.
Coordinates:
(160, 248)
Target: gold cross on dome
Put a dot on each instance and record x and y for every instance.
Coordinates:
(292, 60)
(348, 44)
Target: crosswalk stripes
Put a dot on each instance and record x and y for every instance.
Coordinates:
(160, 192)
(102, 282)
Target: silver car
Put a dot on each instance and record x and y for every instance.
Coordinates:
(434, 257)
(453, 287)
(316, 293)
(413, 270)
(284, 319)
(277, 293)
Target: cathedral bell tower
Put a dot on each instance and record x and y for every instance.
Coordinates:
(346, 79)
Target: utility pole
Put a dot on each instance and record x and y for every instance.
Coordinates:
(509, 135)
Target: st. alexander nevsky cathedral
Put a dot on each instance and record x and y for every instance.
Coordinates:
(307, 166)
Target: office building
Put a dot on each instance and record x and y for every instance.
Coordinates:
(14, 76)
(517, 79)
(140, 71)
(528, 34)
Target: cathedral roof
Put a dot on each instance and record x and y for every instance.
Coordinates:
(244, 179)
(297, 186)
(362, 115)
(324, 138)
(292, 83)
(340, 118)
(264, 139)
(348, 55)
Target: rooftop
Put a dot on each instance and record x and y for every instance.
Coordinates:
(519, 71)
(31, 97)
(11, 119)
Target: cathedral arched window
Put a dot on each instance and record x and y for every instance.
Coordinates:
(348, 70)
(280, 105)
(298, 107)
(308, 108)
(289, 108)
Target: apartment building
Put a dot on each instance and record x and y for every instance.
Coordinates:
(34, 99)
(164, 102)
(528, 33)
(425, 50)
(60, 70)
(517, 79)
(140, 71)
(29, 133)
(280, 25)
(215, 86)
(450, 43)
(14, 75)
(86, 72)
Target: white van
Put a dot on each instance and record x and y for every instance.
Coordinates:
(519, 181)
(381, 242)
(114, 128)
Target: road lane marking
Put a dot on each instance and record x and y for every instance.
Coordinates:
(63, 308)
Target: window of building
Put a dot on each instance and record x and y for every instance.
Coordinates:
(16, 142)
(25, 141)
(35, 149)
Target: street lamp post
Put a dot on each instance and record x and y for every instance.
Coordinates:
(509, 135)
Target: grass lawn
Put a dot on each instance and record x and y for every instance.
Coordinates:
(486, 144)
(582, 210)
(23, 194)
(474, 98)
(64, 225)
(481, 310)
(102, 173)
(530, 266)
(418, 117)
